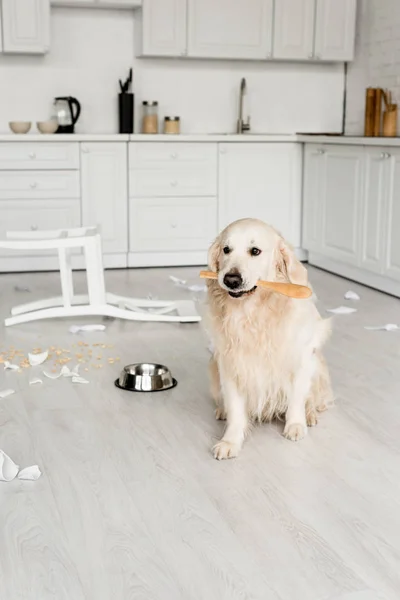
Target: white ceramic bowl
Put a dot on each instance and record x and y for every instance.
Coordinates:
(20, 126)
(47, 126)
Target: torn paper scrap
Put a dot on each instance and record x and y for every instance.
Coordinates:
(94, 327)
(192, 288)
(35, 380)
(79, 379)
(5, 393)
(197, 288)
(387, 327)
(30, 473)
(66, 372)
(177, 281)
(37, 359)
(341, 310)
(8, 468)
(350, 295)
(8, 365)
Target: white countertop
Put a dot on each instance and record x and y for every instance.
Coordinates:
(98, 137)
(349, 140)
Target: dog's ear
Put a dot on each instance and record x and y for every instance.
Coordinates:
(213, 255)
(290, 266)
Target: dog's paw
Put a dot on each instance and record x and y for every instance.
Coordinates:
(294, 431)
(220, 414)
(225, 449)
(312, 419)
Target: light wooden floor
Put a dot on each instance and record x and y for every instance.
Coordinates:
(132, 505)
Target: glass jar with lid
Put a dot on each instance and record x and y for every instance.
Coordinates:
(150, 117)
(172, 125)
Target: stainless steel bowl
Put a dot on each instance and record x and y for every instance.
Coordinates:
(145, 377)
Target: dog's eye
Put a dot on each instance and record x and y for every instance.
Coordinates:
(226, 250)
(255, 251)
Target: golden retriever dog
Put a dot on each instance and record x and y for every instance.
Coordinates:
(267, 360)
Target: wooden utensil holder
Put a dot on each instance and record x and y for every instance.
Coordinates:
(390, 121)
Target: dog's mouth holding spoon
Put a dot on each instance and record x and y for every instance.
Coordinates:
(241, 293)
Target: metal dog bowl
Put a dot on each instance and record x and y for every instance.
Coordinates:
(145, 377)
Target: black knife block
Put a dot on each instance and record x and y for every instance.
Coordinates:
(126, 112)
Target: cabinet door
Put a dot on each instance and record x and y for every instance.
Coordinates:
(374, 209)
(230, 28)
(119, 3)
(340, 201)
(390, 226)
(105, 192)
(263, 181)
(335, 29)
(26, 26)
(314, 169)
(294, 29)
(164, 28)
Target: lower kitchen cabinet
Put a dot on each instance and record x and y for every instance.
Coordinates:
(351, 212)
(104, 181)
(262, 181)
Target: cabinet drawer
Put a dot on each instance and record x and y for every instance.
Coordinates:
(172, 224)
(39, 184)
(174, 181)
(39, 155)
(158, 155)
(36, 215)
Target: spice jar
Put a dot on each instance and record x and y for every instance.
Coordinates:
(150, 117)
(172, 125)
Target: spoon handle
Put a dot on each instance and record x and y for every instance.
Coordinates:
(292, 290)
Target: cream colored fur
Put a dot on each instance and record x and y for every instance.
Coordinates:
(267, 361)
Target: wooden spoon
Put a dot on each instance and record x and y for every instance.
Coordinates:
(293, 290)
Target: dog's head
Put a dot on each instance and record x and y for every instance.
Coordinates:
(249, 250)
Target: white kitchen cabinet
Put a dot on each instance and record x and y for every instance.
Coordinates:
(26, 26)
(263, 181)
(98, 3)
(104, 183)
(1, 32)
(162, 28)
(373, 209)
(294, 22)
(335, 29)
(313, 175)
(240, 29)
(341, 201)
(390, 228)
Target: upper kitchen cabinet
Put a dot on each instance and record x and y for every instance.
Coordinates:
(163, 28)
(240, 29)
(26, 26)
(335, 30)
(294, 23)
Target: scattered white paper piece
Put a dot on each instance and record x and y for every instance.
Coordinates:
(35, 380)
(37, 359)
(350, 295)
(5, 393)
(79, 379)
(388, 327)
(65, 372)
(30, 473)
(8, 365)
(341, 310)
(21, 288)
(8, 468)
(183, 283)
(78, 328)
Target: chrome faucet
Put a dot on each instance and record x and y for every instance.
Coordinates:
(241, 125)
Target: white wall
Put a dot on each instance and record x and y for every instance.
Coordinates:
(377, 60)
(91, 49)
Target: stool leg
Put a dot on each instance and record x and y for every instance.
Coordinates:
(94, 270)
(67, 286)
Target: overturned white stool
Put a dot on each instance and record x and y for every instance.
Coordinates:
(97, 302)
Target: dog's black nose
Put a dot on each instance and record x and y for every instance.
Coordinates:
(233, 280)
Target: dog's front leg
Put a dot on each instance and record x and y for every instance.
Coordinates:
(296, 423)
(237, 420)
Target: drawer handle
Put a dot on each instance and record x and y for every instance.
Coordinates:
(174, 155)
(34, 227)
(320, 151)
(173, 225)
(32, 155)
(174, 183)
(33, 184)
